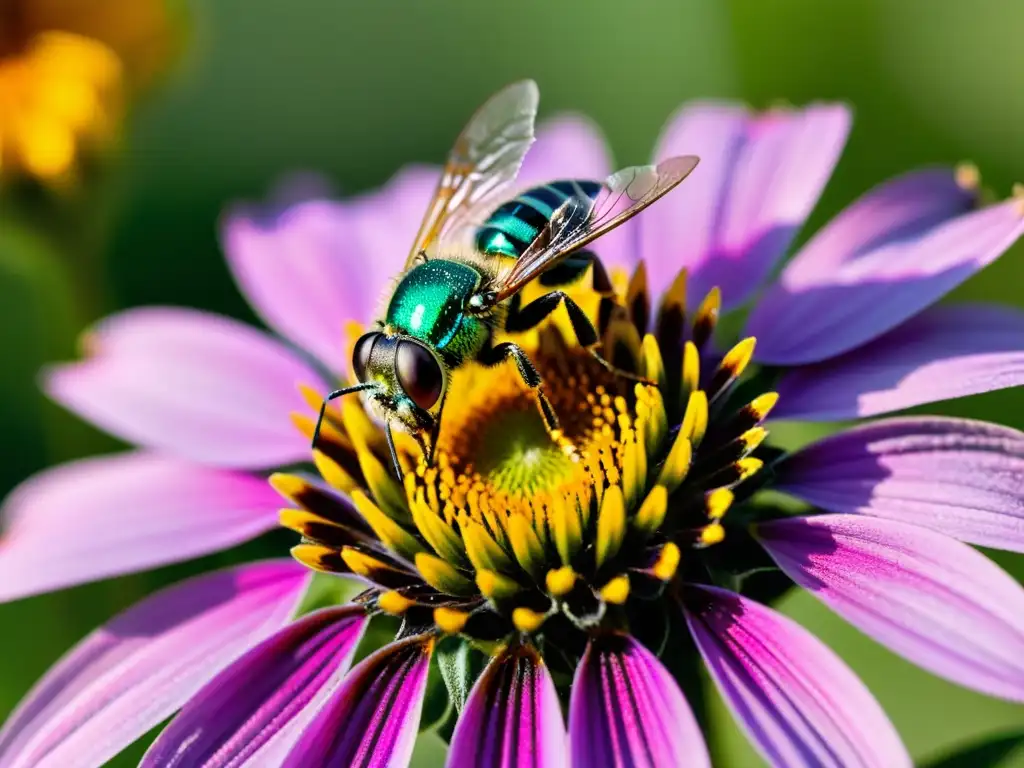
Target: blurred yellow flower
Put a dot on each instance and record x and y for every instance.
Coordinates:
(66, 67)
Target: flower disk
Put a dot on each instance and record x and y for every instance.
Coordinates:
(515, 530)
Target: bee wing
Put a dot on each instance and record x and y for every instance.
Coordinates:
(462, 227)
(579, 221)
(486, 158)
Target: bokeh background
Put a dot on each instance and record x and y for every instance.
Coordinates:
(225, 98)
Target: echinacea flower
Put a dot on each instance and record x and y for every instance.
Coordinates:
(65, 66)
(566, 562)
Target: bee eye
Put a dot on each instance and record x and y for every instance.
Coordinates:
(418, 373)
(361, 354)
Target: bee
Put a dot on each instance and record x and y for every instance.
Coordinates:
(460, 287)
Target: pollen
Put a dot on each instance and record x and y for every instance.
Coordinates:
(449, 620)
(394, 603)
(668, 562)
(496, 586)
(496, 462)
(512, 528)
(616, 591)
(762, 405)
(713, 534)
(718, 503)
(561, 580)
(527, 620)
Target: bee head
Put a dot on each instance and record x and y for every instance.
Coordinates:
(407, 373)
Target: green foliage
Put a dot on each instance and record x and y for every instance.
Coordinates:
(989, 753)
(460, 665)
(327, 590)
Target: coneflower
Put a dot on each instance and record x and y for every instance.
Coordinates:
(565, 563)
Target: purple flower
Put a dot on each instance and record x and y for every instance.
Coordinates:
(563, 561)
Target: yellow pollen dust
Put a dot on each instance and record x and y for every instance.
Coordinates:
(496, 461)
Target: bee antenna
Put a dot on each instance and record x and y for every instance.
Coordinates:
(334, 396)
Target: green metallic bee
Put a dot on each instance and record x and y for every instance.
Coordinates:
(461, 283)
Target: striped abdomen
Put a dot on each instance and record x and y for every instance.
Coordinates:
(514, 225)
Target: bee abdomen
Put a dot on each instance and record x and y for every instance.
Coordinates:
(514, 225)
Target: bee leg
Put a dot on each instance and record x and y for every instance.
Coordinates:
(525, 318)
(570, 270)
(334, 396)
(530, 316)
(394, 454)
(507, 349)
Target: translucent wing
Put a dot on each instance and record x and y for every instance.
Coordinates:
(486, 157)
(578, 221)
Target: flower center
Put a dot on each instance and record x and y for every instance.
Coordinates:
(495, 458)
(513, 528)
(515, 455)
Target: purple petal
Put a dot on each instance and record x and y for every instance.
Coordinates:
(271, 691)
(127, 676)
(928, 597)
(310, 268)
(796, 700)
(898, 209)
(943, 353)
(812, 316)
(373, 719)
(626, 709)
(567, 147)
(299, 269)
(387, 221)
(105, 516)
(512, 718)
(960, 477)
(759, 177)
(192, 384)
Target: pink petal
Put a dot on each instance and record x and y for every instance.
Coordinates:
(261, 702)
(942, 354)
(373, 718)
(798, 702)
(192, 384)
(310, 268)
(512, 718)
(939, 603)
(960, 477)
(900, 208)
(298, 268)
(759, 177)
(627, 710)
(567, 147)
(105, 516)
(810, 317)
(129, 675)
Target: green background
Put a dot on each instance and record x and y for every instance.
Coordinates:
(356, 89)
